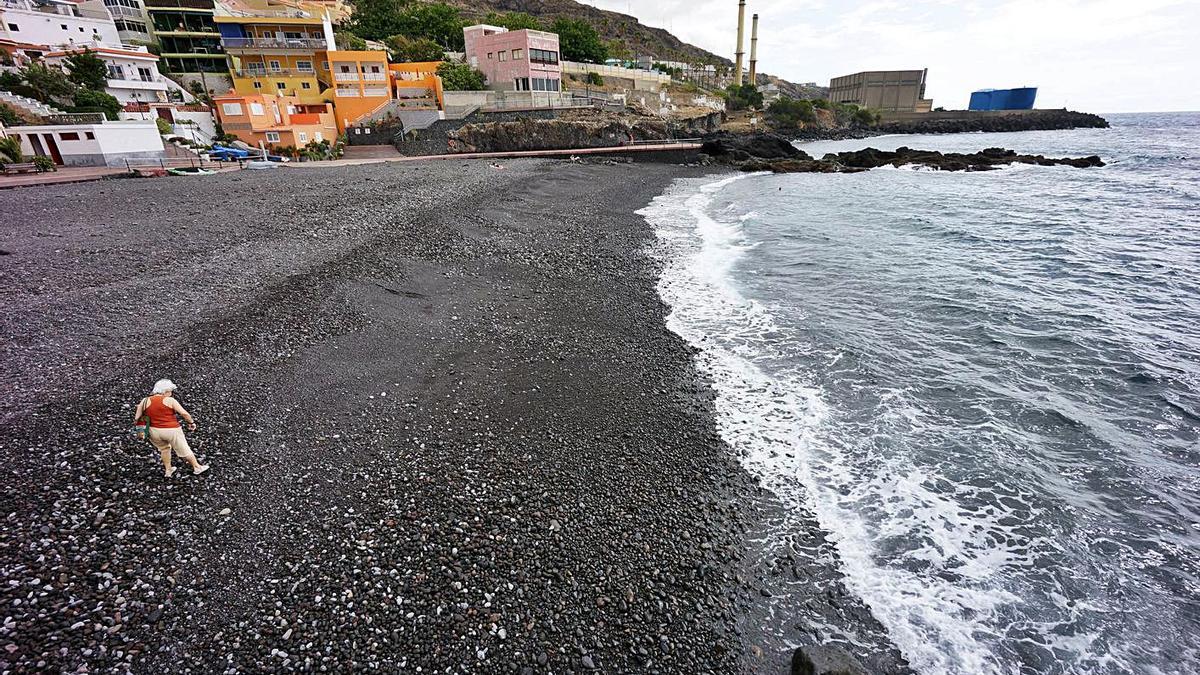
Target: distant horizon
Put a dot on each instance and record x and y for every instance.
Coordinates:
(1086, 55)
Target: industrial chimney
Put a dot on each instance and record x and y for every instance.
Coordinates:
(754, 51)
(737, 67)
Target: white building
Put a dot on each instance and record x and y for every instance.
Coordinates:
(133, 75)
(99, 144)
(131, 19)
(58, 23)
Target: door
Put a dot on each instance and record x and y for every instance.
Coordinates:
(54, 153)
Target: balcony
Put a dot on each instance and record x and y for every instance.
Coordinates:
(278, 72)
(155, 83)
(302, 44)
(179, 4)
(123, 11)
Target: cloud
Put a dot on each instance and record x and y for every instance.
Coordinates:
(1097, 55)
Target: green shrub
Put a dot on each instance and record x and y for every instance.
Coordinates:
(164, 127)
(88, 100)
(790, 113)
(10, 117)
(743, 97)
(43, 164)
(460, 77)
(594, 79)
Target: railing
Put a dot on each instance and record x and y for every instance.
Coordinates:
(374, 77)
(274, 43)
(266, 13)
(347, 92)
(345, 77)
(375, 91)
(182, 4)
(75, 118)
(274, 73)
(125, 82)
(122, 10)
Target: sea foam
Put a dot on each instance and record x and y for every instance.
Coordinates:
(780, 428)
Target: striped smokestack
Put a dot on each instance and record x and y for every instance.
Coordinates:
(737, 67)
(754, 51)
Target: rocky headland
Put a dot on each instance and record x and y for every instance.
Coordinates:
(1036, 120)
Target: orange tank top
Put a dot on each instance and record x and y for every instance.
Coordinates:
(161, 417)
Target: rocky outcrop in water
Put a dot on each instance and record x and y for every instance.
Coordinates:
(770, 152)
(870, 158)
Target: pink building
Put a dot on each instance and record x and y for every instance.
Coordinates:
(516, 60)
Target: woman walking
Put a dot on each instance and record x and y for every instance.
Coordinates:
(165, 432)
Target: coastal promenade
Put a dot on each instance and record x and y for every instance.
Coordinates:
(447, 426)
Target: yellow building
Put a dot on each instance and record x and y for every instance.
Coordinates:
(289, 50)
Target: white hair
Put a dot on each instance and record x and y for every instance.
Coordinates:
(163, 386)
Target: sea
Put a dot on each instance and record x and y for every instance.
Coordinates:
(984, 387)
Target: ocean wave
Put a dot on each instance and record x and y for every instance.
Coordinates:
(940, 597)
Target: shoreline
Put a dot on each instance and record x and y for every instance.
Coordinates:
(449, 425)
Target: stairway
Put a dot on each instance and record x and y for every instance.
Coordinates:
(27, 104)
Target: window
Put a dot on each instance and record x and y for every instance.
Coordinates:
(13, 27)
(231, 108)
(114, 72)
(324, 65)
(304, 66)
(553, 84)
(543, 56)
(305, 85)
(503, 55)
(344, 69)
(518, 54)
(302, 136)
(275, 66)
(281, 85)
(145, 74)
(256, 109)
(68, 136)
(63, 26)
(489, 56)
(318, 137)
(90, 136)
(257, 84)
(272, 136)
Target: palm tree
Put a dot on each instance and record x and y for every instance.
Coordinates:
(10, 149)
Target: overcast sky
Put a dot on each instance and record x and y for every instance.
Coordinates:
(1091, 55)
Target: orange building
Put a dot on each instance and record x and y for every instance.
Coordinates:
(417, 84)
(361, 84)
(275, 120)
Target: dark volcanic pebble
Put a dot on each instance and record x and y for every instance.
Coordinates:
(441, 409)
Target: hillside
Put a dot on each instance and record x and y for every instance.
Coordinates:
(638, 38)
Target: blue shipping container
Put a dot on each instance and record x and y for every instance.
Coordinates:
(1003, 99)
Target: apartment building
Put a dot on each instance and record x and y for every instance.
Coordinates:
(518, 60)
(189, 42)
